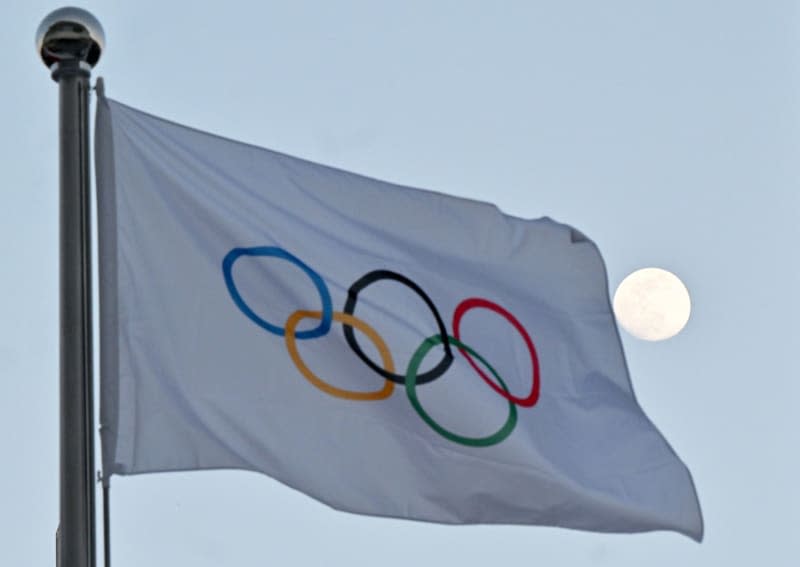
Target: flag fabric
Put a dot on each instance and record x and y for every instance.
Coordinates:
(386, 350)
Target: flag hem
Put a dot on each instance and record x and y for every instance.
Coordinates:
(107, 274)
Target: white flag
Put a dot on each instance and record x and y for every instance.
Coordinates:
(386, 350)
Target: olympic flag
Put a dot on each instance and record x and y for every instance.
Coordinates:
(386, 350)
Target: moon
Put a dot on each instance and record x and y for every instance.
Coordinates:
(652, 304)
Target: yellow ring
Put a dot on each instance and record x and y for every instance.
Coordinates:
(383, 350)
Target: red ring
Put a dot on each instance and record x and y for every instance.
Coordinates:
(473, 302)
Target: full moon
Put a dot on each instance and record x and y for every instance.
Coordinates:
(652, 304)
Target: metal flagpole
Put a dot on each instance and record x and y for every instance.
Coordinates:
(70, 41)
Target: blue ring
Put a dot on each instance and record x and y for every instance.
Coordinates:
(327, 305)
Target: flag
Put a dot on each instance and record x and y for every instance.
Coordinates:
(386, 350)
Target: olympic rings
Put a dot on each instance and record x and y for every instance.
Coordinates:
(350, 306)
(411, 390)
(474, 302)
(291, 346)
(411, 379)
(327, 305)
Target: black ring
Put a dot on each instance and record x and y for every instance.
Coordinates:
(349, 308)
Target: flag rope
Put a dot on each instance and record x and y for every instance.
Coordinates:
(106, 521)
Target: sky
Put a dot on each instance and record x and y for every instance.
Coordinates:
(668, 132)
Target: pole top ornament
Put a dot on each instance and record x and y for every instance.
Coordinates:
(70, 34)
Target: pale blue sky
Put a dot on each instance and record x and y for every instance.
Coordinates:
(669, 132)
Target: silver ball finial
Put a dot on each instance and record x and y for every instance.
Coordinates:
(70, 34)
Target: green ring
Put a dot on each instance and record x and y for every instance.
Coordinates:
(411, 390)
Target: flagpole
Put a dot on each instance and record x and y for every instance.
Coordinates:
(70, 41)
